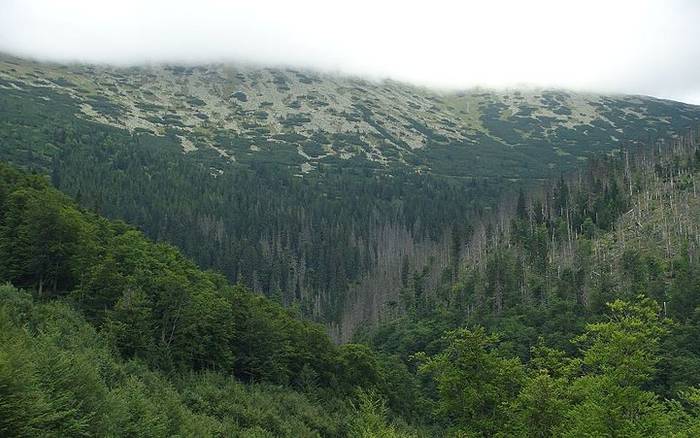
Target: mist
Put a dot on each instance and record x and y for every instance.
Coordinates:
(635, 47)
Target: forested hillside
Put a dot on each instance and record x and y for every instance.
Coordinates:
(574, 313)
(322, 192)
(122, 336)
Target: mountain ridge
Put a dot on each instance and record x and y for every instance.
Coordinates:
(304, 119)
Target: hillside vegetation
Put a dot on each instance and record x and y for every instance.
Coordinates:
(124, 336)
(316, 190)
(223, 114)
(574, 315)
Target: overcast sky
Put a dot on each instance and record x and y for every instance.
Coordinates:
(629, 46)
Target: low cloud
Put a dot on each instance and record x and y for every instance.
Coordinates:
(625, 46)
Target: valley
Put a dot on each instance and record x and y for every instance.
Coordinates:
(318, 189)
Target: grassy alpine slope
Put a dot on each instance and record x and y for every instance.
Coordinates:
(224, 114)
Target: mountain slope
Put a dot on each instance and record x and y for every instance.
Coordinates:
(321, 191)
(118, 335)
(624, 226)
(305, 119)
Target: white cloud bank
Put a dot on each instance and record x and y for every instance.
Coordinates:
(627, 46)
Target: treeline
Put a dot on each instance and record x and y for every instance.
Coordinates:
(303, 241)
(299, 240)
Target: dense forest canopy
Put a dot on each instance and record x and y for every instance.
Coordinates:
(576, 316)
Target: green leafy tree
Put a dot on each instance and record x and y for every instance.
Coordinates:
(473, 381)
(620, 356)
(370, 419)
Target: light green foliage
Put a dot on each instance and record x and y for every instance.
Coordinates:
(370, 419)
(619, 357)
(58, 377)
(473, 381)
(626, 347)
(601, 392)
(250, 409)
(538, 408)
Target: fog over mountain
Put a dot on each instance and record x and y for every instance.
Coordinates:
(342, 219)
(636, 47)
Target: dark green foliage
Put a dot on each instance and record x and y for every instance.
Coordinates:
(91, 357)
(240, 96)
(114, 314)
(151, 301)
(257, 223)
(58, 378)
